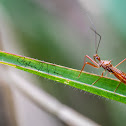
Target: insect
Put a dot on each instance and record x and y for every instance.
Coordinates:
(105, 64)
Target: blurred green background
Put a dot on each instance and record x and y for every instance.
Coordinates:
(58, 31)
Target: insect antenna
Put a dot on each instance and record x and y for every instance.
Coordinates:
(99, 39)
(94, 30)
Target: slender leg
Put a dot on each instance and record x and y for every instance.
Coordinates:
(96, 65)
(99, 78)
(117, 87)
(120, 62)
(107, 74)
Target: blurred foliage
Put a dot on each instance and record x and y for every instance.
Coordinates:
(46, 35)
(116, 14)
(34, 25)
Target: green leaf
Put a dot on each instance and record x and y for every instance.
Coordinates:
(104, 87)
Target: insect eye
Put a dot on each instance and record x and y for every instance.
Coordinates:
(97, 58)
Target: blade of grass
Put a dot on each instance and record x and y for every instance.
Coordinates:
(68, 76)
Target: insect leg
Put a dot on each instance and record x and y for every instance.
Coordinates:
(107, 74)
(99, 78)
(117, 87)
(96, 65)
(120, 62)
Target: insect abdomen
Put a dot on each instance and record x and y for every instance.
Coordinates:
(119, 74)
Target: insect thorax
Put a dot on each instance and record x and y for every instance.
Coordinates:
(106, 65)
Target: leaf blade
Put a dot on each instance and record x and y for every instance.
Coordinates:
(104, 87)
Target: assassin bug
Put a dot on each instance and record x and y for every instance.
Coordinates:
(105, 64)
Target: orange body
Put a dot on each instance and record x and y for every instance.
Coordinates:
(119, 74)
(107, 66)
